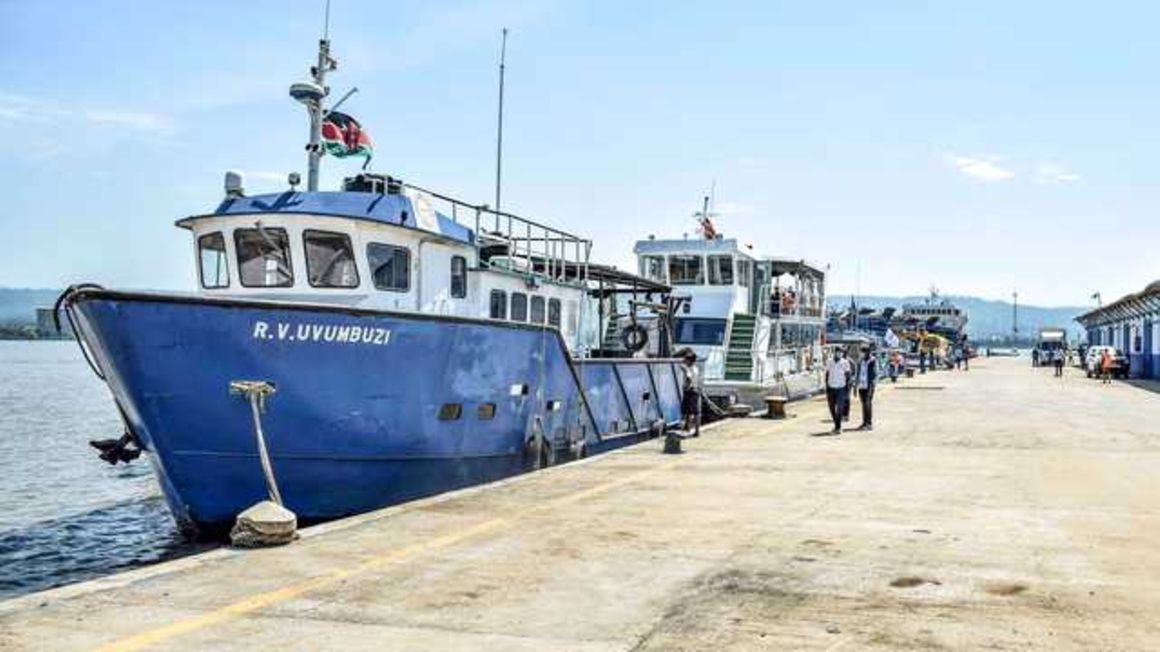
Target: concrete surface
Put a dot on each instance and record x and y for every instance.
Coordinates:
(999, 509)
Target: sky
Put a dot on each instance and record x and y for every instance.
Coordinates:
(981, 148)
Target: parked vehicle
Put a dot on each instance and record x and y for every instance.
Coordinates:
(1091, 362)
(1050, 340)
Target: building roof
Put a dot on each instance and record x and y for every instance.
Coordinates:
(1141, 304)
(396, 210)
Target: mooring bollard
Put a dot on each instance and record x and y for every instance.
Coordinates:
(672, 438)
(268, 523)
(775, 407)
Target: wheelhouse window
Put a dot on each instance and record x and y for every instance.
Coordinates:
(653, 268)
(554, 312)
(329, 260)
(264, 257)
(214, 265)
(691, 330)
(519, 306)
(498, 302)
(390, 267)
(720, 270)
(537, 310)
(458, 277)
(743, 267)
(686, 270)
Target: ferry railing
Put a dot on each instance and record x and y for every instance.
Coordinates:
(777, 302)
(559, 255)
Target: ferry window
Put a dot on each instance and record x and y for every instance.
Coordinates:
(554, 312)
(458, 277)
(689, 330)
(720, 270)
(743, 273)
(485, 411)
(329, 260)
(215, 271)
(686, 270)
(264, 257)
(390, 266)
(519, 306)
(537, 310)
(498, 304)
(653, 268)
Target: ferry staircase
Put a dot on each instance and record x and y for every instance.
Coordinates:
(739, 352)
(612, 333)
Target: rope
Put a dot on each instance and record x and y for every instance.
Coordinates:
(256, 392)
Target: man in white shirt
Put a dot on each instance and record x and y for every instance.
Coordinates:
(838, 373)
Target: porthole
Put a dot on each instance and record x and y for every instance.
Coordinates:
(485, 411)
(450, 411)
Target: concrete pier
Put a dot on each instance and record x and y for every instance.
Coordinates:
(999, 508)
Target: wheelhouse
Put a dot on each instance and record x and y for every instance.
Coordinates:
(380, 244)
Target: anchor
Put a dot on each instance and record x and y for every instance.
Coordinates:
(123, 449)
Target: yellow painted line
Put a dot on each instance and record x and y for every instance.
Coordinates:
(262, 600)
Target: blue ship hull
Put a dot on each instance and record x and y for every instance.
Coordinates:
(355, 423)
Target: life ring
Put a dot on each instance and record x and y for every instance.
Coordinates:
(634, 337)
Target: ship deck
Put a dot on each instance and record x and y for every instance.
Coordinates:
(998, 508)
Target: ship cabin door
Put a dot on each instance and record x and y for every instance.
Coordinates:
(443, 288)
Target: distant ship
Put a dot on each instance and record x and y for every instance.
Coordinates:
(935, 314)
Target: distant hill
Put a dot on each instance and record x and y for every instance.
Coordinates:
(18, 305)
(986, 317)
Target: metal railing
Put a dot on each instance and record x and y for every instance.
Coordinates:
(777, 302)
(519, 244)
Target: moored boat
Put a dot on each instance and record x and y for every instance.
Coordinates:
(405, 343)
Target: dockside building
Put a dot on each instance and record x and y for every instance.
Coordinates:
(1132, 325)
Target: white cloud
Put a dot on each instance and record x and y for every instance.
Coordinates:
(1051, 173)
(986, 170)
(24, 109)
(150, 122)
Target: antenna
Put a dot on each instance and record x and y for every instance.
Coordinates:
(326, 23)
(499, 121)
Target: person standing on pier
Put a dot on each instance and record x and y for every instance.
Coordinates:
(1105, 367)
(690, 393)
(837, 387)
(1057, 361)
(867, 379)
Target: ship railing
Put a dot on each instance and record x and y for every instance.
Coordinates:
(781, 302)
(513, 243)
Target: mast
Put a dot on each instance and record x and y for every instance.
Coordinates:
(499, 121)
(311, 95)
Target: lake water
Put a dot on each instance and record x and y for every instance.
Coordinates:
(65, 515)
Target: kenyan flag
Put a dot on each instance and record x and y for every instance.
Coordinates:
(343, 136)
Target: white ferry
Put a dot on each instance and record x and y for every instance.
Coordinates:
(756, 323)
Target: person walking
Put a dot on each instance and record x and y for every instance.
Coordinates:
(867, 380)
(690, 393)
(1105, 367)
(837, 384)
(1057, 360)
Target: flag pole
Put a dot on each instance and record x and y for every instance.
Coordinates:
(499, 121)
